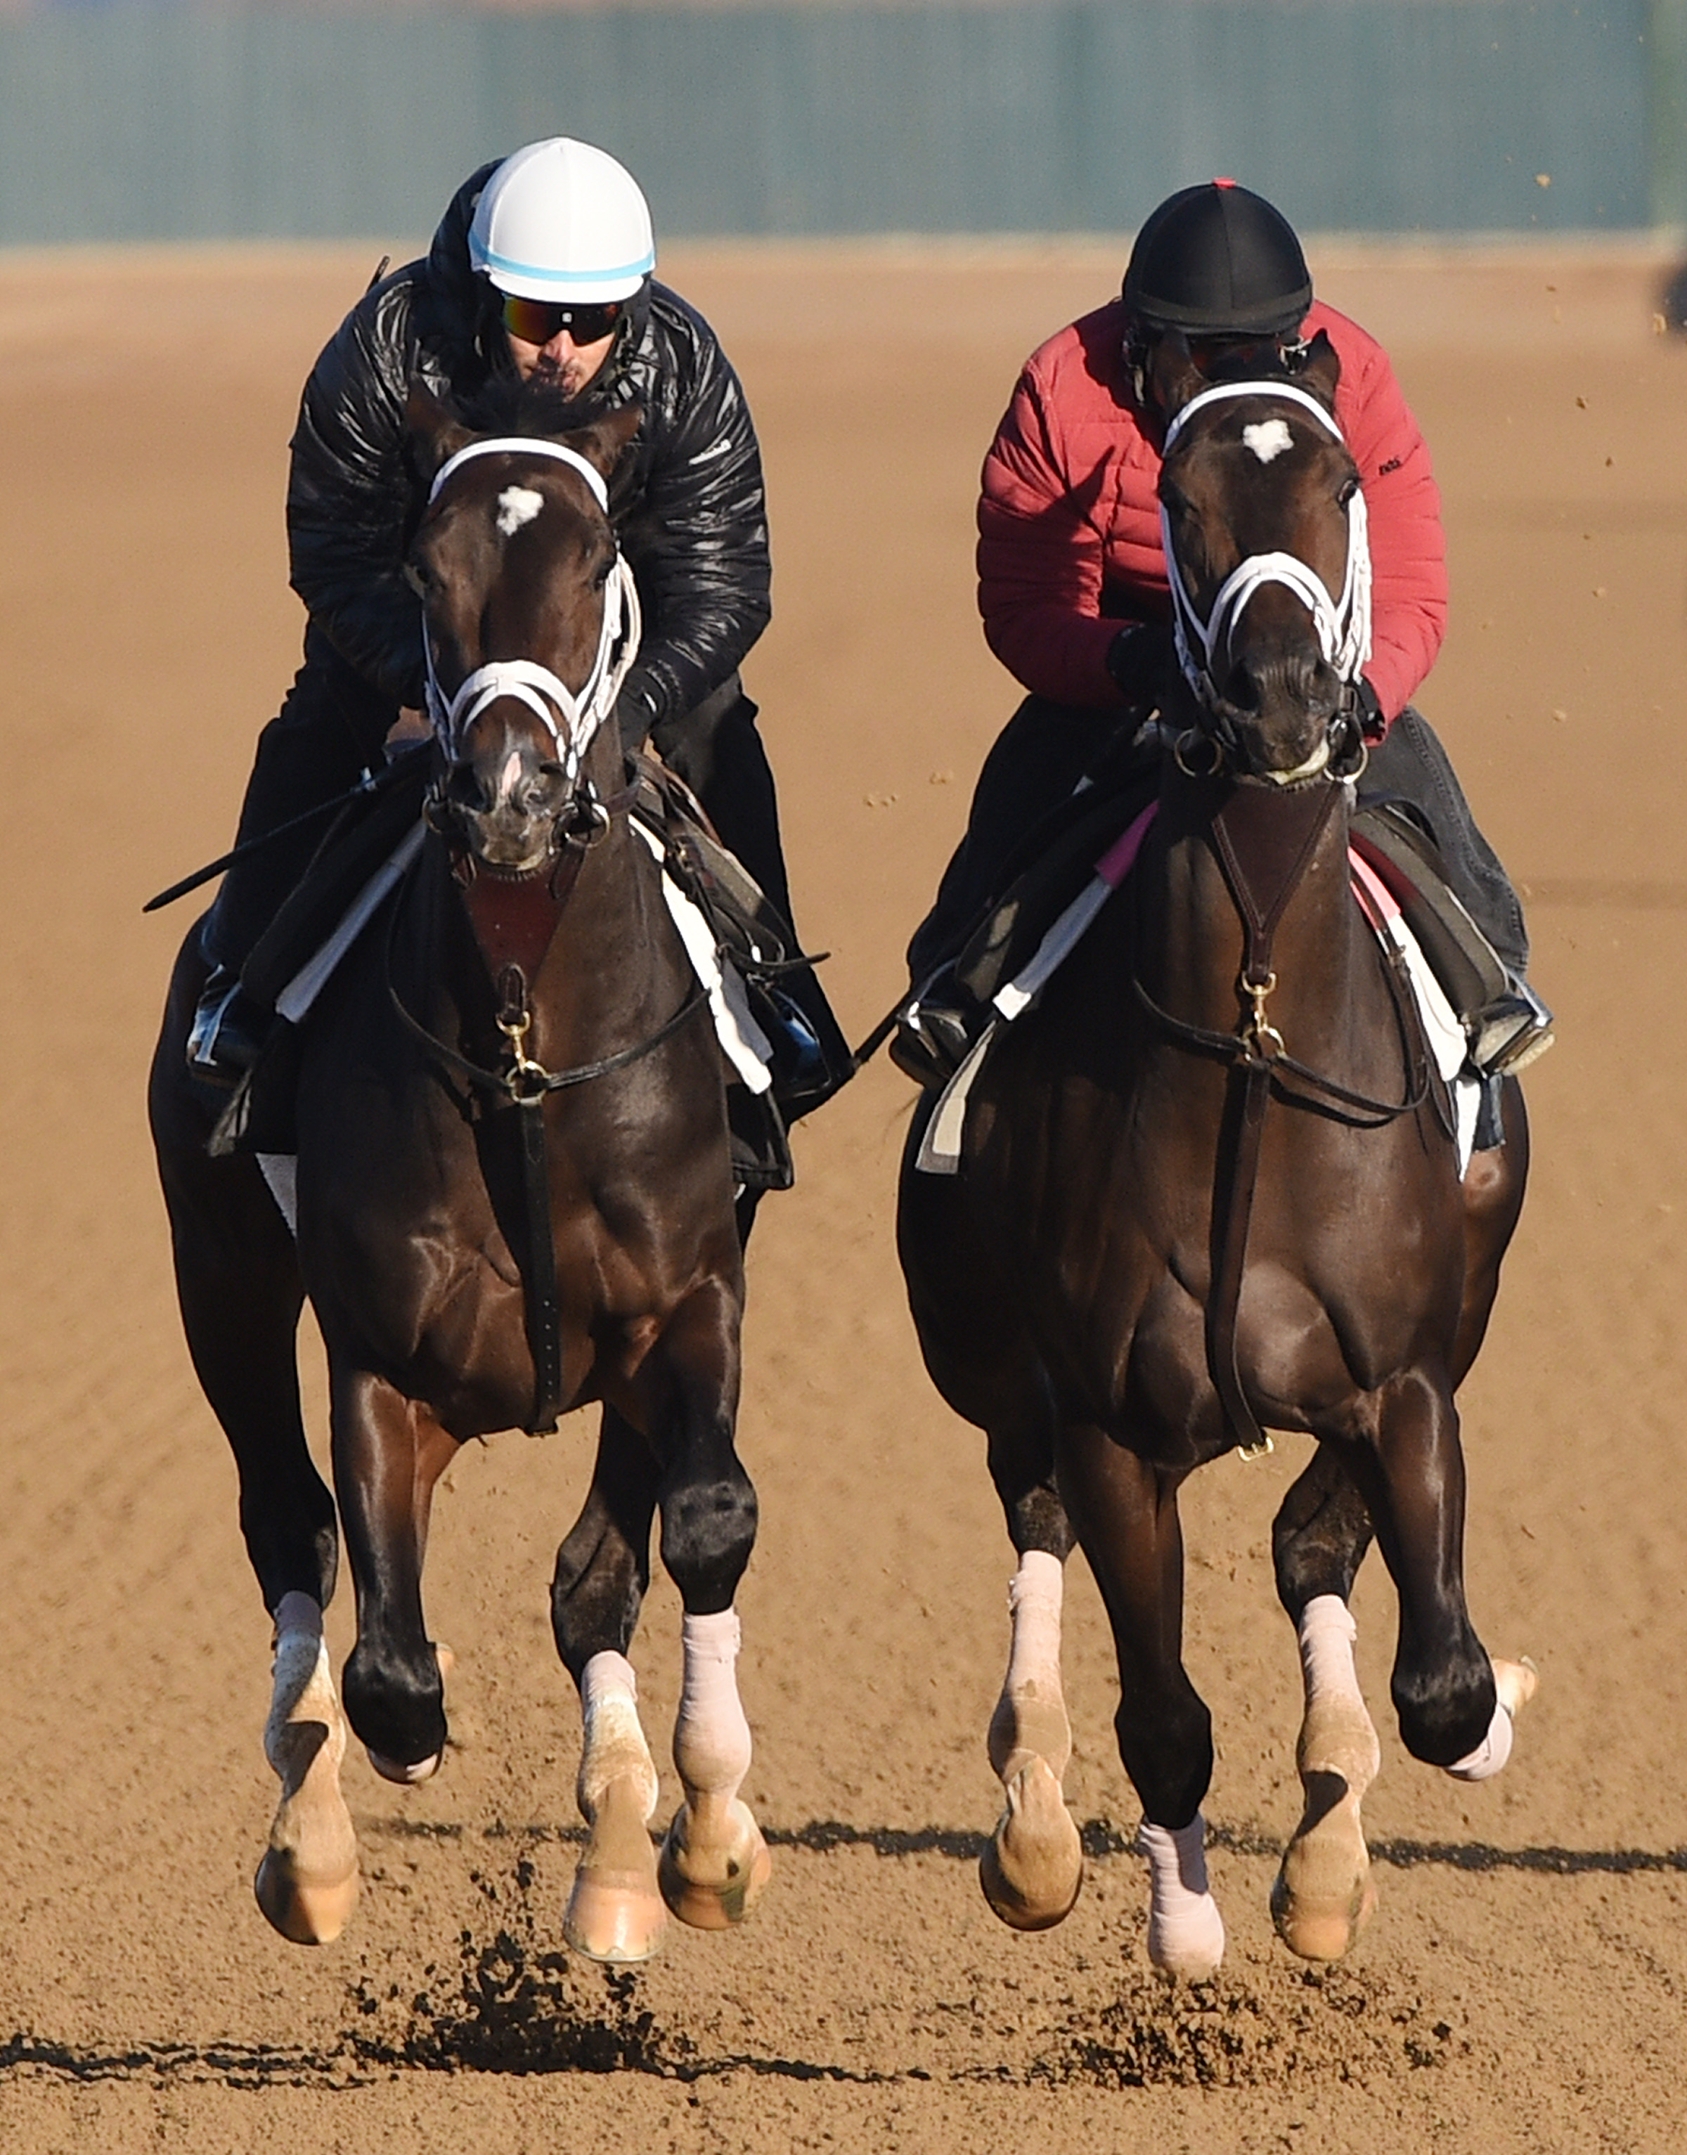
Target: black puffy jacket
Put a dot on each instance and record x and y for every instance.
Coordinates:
(687, 500)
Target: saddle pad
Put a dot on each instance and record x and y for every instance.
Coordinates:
(744, 1044)
(941, 1144)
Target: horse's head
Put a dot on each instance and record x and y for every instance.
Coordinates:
(531, 619)
(1265, 541)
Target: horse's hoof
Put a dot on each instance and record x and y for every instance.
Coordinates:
(309, 1911)
(615, 1911)
(1516, 1682)
(1032, 1868)
(1322, 1896)
(1320, 1930)
(713, 1869)
(390, 1769)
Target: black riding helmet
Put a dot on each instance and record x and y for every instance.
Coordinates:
(1217, 260)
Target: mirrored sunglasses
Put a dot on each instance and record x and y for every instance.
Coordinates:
(537, 321)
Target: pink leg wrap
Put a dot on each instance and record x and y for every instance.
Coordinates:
(614, 1742)
(1327, 1632)
(711, 1735)
(1185, 1929)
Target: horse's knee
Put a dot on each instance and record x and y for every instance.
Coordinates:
(1445, 1713)
(395, 1707)
(708, 1531)
(1166, 1745)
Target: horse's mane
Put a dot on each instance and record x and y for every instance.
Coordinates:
(512, 404)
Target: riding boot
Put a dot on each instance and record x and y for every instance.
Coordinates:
(717, 750)
(327, 733)
(1410, 771)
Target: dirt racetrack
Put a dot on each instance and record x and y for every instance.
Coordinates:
(1524, 1984)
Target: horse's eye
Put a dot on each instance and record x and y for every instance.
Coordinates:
(1349, 488)
(416, 576)
(600, 575)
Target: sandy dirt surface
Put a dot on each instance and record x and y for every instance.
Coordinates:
(1524, 1984)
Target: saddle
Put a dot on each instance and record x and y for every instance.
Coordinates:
(748, 934)
(1386, 834)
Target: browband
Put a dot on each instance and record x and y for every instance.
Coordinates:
(526, 445)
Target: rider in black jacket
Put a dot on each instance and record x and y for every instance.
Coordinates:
(687, 502)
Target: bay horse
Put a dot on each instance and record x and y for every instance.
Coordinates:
(513, 1196)
(1211, 1188)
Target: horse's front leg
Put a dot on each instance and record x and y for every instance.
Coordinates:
(307, 1882)
(389, 1451)
(1125, 1513)
(615, 1910)
(1456, 1706)
(1032, 1867)
(714, 1860)
(1323, 1897)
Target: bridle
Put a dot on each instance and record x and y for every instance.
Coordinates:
(1263, 861)
(1342, 625)
(571, 717)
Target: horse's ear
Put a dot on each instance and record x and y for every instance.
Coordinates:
(1173, 377)
(1320, 369)
(604, 442)
(436, 432)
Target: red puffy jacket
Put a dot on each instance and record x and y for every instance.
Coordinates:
(1069, 520)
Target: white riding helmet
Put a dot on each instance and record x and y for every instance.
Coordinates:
(561, 220)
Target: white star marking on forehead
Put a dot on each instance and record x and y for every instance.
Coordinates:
(1268, 439)
(518, 505)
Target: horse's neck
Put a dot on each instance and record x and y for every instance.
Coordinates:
(1265, 875)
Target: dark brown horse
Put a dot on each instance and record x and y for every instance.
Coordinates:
(513, 1196)
(1210, 1187)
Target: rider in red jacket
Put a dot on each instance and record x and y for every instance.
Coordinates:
(1072, 579)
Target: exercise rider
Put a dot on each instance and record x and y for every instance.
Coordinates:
(541, 267)
(1072, 587)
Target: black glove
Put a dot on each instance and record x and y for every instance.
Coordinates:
(1372, 724)
(1142, 660)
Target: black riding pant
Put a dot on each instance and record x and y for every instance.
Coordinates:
(1046, 748)
(331, 729)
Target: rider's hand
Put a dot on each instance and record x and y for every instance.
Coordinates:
(1142, 659)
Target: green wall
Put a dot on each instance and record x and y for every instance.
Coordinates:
(137, 121)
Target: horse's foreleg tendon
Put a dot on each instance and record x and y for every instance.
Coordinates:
(615, 1912)
(1032, 1867)
(307, 1883)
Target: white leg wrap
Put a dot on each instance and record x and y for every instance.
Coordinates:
(1491, 1753)
(299, 1670)
(1035, 1596)
(711, 1735)
(1030, 1717)
(1185, 1929)
(614, 1742)
(1327, 1632)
